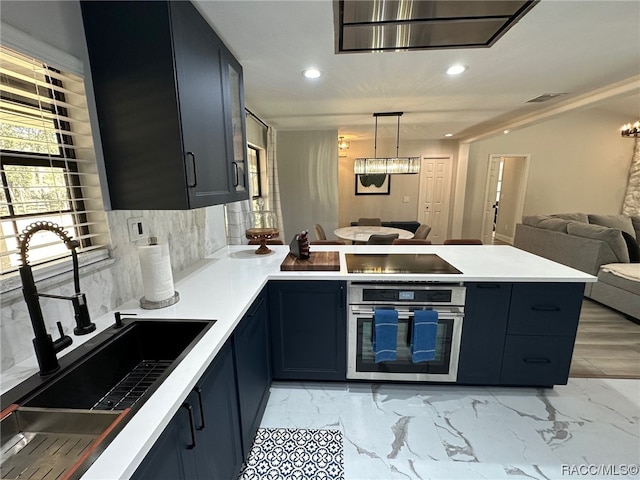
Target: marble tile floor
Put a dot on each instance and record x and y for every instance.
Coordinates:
(404, 431)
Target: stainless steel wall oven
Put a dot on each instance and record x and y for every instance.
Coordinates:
(405, 297)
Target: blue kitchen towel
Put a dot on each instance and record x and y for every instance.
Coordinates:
(385, 334)
(425, 330)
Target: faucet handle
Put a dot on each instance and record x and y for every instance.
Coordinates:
(118, 316)
(64, 341)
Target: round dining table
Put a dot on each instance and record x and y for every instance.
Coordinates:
(363, 232)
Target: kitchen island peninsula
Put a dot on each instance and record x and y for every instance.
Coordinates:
(519, 318)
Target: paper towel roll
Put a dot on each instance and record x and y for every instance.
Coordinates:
(157, 278)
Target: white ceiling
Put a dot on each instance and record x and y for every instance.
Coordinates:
(571, 46)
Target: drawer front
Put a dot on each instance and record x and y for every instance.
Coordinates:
(545, 308)
(536, 360)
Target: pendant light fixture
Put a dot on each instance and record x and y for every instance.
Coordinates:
(386, 166)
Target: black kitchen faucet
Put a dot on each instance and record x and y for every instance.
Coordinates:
(46, 348)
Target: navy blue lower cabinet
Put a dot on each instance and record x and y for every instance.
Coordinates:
(202, 441)
(543, 321)
(308, 329)
(170, 457)
(219, 450)
(484, 328)
(253, 368)
(537, 360)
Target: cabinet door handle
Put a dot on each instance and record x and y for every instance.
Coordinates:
(488, 285)
(235, 174)
(545, 308)
(192, 445)
(199, 393)
(536, 360)
(193, 164)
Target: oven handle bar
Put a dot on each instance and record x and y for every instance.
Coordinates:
(405, 313)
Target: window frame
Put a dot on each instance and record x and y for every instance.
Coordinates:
(66, 159)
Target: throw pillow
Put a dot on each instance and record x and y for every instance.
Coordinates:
(533, 220)
(633, 247)
(555, 224)
(621, 222)
(611, 236)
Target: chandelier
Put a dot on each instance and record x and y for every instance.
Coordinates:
(342, 144)
(629, 130)
(386, 166)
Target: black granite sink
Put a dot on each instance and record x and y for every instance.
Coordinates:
(103, 382)
(123, 369)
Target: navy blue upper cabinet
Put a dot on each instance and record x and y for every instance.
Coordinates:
(170, 106)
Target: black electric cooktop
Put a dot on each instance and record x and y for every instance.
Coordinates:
(398, 263)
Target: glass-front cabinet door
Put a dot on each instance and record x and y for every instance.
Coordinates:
(236, 125)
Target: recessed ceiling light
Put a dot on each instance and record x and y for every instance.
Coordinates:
(505, 132)
(448, 134)
(312, 73)
(456, 69)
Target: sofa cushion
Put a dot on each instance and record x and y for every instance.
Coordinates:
(576, 217)
(632, 247)
(611, 236)
(533, 220)
(555, 224)
(621, 222)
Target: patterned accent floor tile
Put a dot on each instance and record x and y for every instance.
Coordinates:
(295, 454)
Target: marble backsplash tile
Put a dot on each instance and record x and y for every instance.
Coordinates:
(191, 235)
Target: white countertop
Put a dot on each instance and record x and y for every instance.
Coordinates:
(223, 287)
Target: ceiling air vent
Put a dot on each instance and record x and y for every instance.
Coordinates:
(544, 97)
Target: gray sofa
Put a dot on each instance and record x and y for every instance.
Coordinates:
(602, 245)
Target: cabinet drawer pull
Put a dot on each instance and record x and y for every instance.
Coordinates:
(545, 308)
(192, 445)
(193, 163)
(488, 285)
(536, 360)
(235, 174)
(199, 393)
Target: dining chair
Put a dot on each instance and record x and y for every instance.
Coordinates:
(369, 222)
(382, 239)
(462, 241)
(411, 241)
(319, 231)
(422, 231)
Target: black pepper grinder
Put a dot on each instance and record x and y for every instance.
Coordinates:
(303, 242)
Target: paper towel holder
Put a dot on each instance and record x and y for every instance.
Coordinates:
(152, 305)
(149, 305)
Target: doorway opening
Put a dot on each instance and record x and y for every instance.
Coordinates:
(504, 197)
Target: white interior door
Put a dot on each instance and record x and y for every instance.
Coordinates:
(434, 198)
(513, 191)
(488, 211)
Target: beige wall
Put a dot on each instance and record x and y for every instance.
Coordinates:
(392, 206)
(578, 162)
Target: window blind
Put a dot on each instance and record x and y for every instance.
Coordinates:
(49, 170)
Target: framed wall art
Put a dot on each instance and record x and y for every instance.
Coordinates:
(378, 184)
